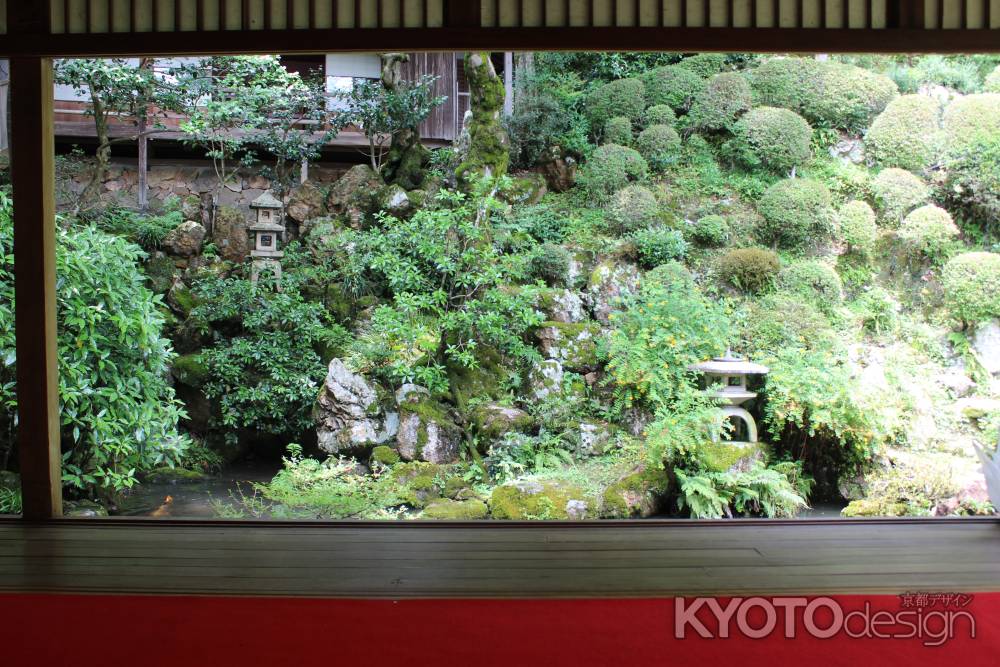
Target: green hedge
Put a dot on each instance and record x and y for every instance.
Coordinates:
(772, 138)
(794, 212)
(906, 135)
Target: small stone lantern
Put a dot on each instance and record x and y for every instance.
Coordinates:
(267, 231)
(727, 380)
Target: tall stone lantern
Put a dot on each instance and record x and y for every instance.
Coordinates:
(726, 379)
(267, 232)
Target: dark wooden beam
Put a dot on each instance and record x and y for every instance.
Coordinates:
(33, 178)
(464, 14)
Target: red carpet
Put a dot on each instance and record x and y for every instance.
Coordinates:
(176, 631)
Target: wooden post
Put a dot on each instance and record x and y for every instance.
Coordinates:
(508, 84)
(142, 187)
(33, 178)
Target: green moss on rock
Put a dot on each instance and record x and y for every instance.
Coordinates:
(720, 456)
(536, 500)
(166, 474)
(189, 369)
(384, 455)
(455, 510)
(638, 494)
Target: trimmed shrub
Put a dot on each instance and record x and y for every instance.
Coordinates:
(970, 119)
(928, 230)
(711, 231)
(610, 168)
(971, 285)
(795, 211)
(973, 181)
(550, 263)
(623, 97)
(659, 145)
(618, 130)
(992, 82)
(849, 97)
(673, 86)
(726, 97)
(658, 245)
(704, 64)
(857, 226)
(632, 209)
(906, 134)
(815, 281)
(786, 82)
(659, 114)
(749, 269)
(897, 192)
(773, 138)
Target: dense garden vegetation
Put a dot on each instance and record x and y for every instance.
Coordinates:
(505, 328)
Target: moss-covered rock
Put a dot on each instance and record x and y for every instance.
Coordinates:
(427, 431)
(489, 146)
(229, 234)
(352, 194)
(190, 370)
(84, 509)
(307, 201)
(641, 493)
(530, 499)
(168, 475)
(870, 507)
(561, 305)
(491, 421)
(722, 456)
(181, 299)
(455, 510)
(481, 382)
(160, 272)
(545, 379)
(524, 190)
(573, 345)
(420, 482)
(385, 456)
(609, 282)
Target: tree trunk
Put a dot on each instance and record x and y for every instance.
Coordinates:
(489, 146)
(407, 158)
(102, 157)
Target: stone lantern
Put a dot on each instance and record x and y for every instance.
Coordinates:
(726, 378)
(267, 231)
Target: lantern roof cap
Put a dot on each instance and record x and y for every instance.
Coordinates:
(266, 200)
(729, 364)
(265, 227)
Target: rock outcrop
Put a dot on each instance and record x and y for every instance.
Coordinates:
(185, 239)
(349, 414)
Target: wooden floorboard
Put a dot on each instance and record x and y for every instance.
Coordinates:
(489, 561)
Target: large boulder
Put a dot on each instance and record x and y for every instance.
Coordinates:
(427, 430)
(349, 413)
(609, 282)
(639, 494)
(352, 194)
(562, 305)
(306, 203)
(492, 421)
(185, 239)
(986, 343)
(540, 500)
(573, 345)
(559, 170)
(545, 379)
(229, 234)
(444, 509)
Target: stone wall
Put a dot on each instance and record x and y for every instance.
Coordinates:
(181, 178)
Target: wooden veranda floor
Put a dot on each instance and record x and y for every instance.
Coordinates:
(490, 560)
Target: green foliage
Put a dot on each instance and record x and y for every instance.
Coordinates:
(547, 113)
(517, 454)
(971, 285)
(815, 281)
(786, 82)
(658, 245)
(929, 231)
(705, 64)
(623, 97)
(970, 119)
(118, 415)
(265, 373)
(878, 309)
(633, 209)
(659, 114)
(752, 270)
(664, 328)
(906, 134)
(992, 82)
(617, 130)
(609, 169)
(906, 489)
(959, 73)
(673, 86)
(602, 66)
(973, 181)
(795, 212)
(782, 321)
(723, 101)
(550, 263)
(772, 138)
(660, 145)
(897, 192)
(711, 231)
(857, 226)
(10, 501)
(771, 492)
(147, 231)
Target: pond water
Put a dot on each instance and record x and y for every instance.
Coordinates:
(197, 499)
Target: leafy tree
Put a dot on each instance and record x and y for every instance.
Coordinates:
(118, 414)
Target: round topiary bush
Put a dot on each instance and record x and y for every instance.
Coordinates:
(906, 134)
(624, 97)
(848, 97)
(786, 82)
(970, 119)
(704, 64)
(794, 212)
(659, 145)
(658, 245)
(673, 86)
(632, 209)
(815, 281)
(897, 192)
(749, 269)
(928, 230)
(971, 286)
(712, 231)
(773, 138)
(659, 114)
(618, 130)
(610, 168)
(992, 82)
(726, 97)
(857, 226)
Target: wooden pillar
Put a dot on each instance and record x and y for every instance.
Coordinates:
(33, 179)
(508, 83)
